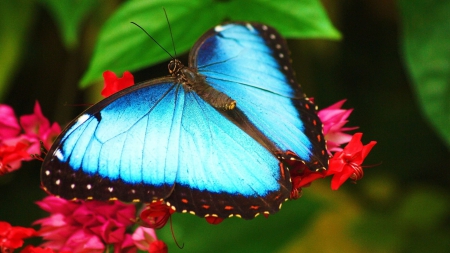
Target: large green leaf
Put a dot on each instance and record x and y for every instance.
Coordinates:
(122, 46)
(15, 20)
(426, 46)
(69, 15)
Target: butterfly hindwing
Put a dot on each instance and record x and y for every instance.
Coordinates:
(250, 63)
(157, 140)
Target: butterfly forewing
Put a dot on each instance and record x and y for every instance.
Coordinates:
(250, 63)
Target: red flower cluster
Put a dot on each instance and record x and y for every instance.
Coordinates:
(19, 141)
(12, 237)
(90, 226)
(345, 163)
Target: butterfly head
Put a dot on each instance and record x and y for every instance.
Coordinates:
(175, 66)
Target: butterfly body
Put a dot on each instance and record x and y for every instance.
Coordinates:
(210, 139)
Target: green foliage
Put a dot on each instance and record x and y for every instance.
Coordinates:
(122, 46)
(417, 215)
(69, 15)
(236, 235)
(426, 36)
(15, 20)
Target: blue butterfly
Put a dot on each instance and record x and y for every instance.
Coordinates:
(211, 139)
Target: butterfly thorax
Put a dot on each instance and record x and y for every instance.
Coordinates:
(194, 81)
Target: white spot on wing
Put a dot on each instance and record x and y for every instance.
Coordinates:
(82, 118)
(59, 155)
(219, 28)
(250, 27)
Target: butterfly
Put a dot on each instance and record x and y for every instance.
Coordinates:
(211, 139)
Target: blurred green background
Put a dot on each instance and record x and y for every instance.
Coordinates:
(392, 64)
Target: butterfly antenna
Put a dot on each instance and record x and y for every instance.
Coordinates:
(173, 235)
(171, 35)
(152, 39)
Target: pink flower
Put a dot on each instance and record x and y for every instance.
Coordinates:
(114, 84)
(347, 163)
(17, 145)
(9, 127)
(126, 246)
(85, 226)
(334, 118)
(36, 124)
(12, 237)
(143, 237)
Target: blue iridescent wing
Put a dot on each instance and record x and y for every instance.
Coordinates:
(250, 63)
(157, 140)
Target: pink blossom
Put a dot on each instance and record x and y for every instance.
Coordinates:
(35, 124)
(85, 226)
(114, 84)
(334, 118)
(126, 246)
(9, 127)
(143, 237)
(18, 144)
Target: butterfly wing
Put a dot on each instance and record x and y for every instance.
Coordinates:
(250, 63)
(157, 140)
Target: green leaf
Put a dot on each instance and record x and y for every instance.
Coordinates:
(69, 15)
(15, 20)
(292, 18)
(426, 47)
(122, 46)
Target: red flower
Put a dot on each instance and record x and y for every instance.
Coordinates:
(213, 220)
(11, 157)
(12, 237)
(156, 214)
(158, 247)
(347, 163)
(343, 165)
(334, 118)
(85, 226)
(114, 84)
